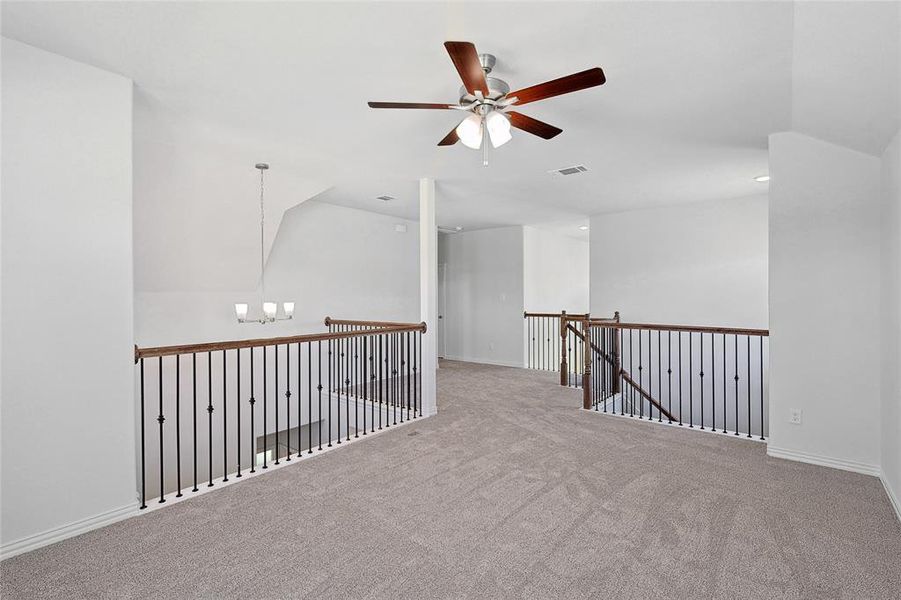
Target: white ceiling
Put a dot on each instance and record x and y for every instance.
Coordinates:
(693, 91)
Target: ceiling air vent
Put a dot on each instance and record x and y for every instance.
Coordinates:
(574, 170)
(385, 198)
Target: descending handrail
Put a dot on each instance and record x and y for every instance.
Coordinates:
(624, 374)
(273, 341)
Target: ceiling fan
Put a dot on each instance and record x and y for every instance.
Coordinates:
(490, 101)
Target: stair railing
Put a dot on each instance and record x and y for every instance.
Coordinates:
(224, 410)
(709, 378)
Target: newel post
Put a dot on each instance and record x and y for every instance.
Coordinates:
(586, 373)
(564, 367)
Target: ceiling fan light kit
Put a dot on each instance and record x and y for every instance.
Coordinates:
(490, 101)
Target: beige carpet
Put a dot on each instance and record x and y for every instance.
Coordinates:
(510, 492)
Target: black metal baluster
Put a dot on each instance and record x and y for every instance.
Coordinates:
(340, 359)
(748, 340)
(659, 374)
(631, 370)
(394, 377)
(310, 399)
(691, 411)
(713, 380)
(701, 357)
(275, 398)
(622, 379)
(299, 399)
(238, 404)
(736, 384)
(348, 349)
(415, 376)
(367, 358)
(651, 375)
(194, 378)
(669, 374)
(224, 423)
(330, 379)
(381, 342)
(178, 423)
(288, 403)
(679, 339)
(143, 459)
(159, 419)
(419, 363)
(640, 372)
(725, 376)
(540, 343)
(265, 424)
(209, 412)
(357, 367)
(407, 346)
(319, 389)
(253, 434)
(761, 389)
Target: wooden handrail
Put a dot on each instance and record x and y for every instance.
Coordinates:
(274, 341)
(569, 316)
(330, 321)
(691, 328)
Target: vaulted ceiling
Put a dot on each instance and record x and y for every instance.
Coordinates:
(693, 90)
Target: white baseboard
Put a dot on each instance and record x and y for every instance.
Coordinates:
(824, 461)
(485, 361)
(893, 499)
(58, 534)
(34, 542)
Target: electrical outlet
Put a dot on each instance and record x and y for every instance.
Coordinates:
(795, 416)
(491, 345)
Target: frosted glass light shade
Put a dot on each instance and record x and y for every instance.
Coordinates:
(498, 129)
(269, 309)
(241, 311)
(288, 307)
(470, 131)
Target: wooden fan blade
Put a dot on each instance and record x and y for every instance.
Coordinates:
(410, 105)
(466, 59)
(450, 139)
(557, 87)
(533, 126)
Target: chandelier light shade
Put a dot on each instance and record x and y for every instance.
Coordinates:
(470, 131)
(498, 127)
(269, 308)
(241, 311)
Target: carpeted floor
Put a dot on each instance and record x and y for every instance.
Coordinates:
(510, 492)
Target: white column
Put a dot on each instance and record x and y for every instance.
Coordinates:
(428, 292)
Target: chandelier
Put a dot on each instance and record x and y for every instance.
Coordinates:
(269, 309)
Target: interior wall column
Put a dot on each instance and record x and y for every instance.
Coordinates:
(428, 292)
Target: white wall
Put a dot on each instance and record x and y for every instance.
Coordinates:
(484, 288)
(331, 260)
(697, 264)
(824, 300)
(67, 414)
(556, 271)
(891, 315)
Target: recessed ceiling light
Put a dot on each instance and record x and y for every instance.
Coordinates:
(583, 227)
(762, 178)
(458, 228)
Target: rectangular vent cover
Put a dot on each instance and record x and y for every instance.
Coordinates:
(574, 170)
